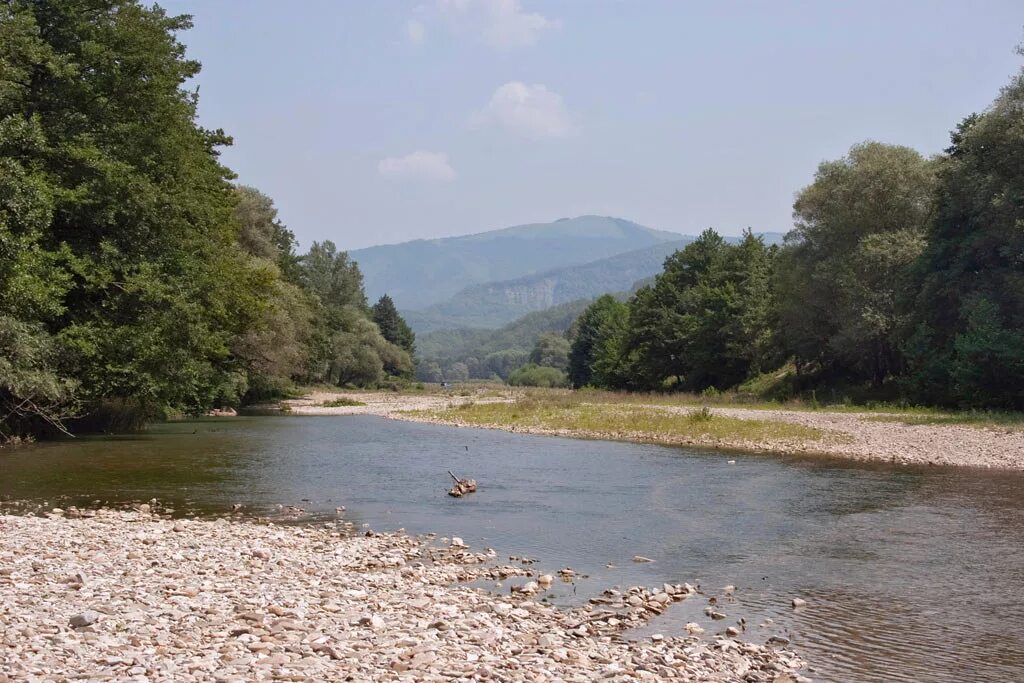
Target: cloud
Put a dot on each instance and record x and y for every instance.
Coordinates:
(500, 23)
(418, 165)
(415, 31)
(530, 110)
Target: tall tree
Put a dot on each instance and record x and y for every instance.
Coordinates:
(392, 326)
(594, 353)
(969, 344)
(262, 234)
(846, 266)
(130, 209)
(704, 322)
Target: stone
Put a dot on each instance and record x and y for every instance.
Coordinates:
(732, 631)
(547, 640)
(86, 618)
(799, 602)
(199, 605)
(502, 609)
(641, 558)
(694, 628)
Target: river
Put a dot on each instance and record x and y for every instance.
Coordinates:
(911, 574)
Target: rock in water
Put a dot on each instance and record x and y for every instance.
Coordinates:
(641, 558)
(799, 602)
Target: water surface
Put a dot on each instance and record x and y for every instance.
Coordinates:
(912, 574)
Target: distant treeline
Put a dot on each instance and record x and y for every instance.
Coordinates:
(903, 279)
(135, 278)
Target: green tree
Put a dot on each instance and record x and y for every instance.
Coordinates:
(333, 277)
(705, 321)
(262, 234)
(119, 196)
(392, 326)
(551, 350)
(847, 264)
(596, 339)
(968, 348)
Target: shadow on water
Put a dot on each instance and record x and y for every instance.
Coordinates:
(910, 573)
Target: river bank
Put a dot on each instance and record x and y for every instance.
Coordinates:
(129, 595)
(868, 436)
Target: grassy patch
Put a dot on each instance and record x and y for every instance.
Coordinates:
(569, 412)
(341, 403)
(979, 419)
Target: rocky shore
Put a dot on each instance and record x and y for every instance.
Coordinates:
(136, 596)
(877, 437)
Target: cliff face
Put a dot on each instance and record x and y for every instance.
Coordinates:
(494, 304)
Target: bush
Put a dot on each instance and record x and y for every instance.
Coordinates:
(532, 375)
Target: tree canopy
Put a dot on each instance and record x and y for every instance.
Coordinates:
(135, 278)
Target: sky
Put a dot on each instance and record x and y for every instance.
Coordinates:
(379, 122)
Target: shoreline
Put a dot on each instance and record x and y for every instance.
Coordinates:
(136, 596)
(849, 435)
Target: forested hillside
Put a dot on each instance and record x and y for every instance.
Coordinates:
(135, 278)
(424, 272)
(485, 354)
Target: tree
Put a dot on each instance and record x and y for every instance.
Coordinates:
(968, 348)
(115, 193)
(333, 277)
(595, 342)
(392, 326)
(704, 322)
(551, 350)
(847, 264)
(457, 372)
(429, 371)
(262, 235)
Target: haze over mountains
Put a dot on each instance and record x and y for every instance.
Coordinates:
(420, 273)
(487, 280)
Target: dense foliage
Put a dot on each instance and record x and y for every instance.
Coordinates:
(533, 375)
(903, 278)
(490, 354)
(134, 277)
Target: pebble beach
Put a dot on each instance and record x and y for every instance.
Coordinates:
(105, 595)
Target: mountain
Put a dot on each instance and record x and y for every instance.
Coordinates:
(421, 273)
(493, 304)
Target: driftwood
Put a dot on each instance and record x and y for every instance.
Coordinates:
(462, 486)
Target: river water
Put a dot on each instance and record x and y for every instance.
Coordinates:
(911, 574)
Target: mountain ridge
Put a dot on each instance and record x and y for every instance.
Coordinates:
(493, 304)
(420, 273)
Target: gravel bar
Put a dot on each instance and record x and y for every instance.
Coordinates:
(114, 595)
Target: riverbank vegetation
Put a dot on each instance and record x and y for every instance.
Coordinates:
(573, 413)
(903, 280)
(135, 278)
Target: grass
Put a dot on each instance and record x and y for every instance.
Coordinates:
(577, 415)
(979, 419)
(341, 403)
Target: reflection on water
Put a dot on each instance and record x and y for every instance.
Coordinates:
(911, 574)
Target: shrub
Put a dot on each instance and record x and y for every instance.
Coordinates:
(532, 375)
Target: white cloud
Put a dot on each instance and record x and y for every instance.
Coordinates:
(530, 110)
(415, 31)
(500, 23)
(418, 165)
